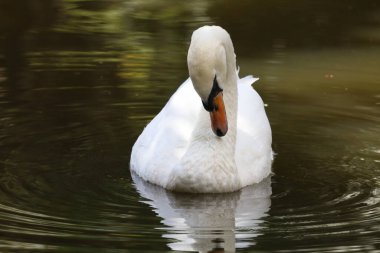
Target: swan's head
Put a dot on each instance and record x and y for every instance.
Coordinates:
(208, 66)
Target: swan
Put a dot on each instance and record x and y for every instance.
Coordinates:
(213, 134)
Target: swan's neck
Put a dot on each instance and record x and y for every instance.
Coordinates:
(208, 165)
(203, 130)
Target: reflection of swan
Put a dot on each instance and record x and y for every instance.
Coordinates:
(208, 222)
(178, 151)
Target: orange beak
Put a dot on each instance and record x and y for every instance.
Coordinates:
(218, 116)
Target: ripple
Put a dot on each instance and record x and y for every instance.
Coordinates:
(97, 216)
(341, 211)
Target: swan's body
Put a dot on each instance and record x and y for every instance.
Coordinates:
(178, 150)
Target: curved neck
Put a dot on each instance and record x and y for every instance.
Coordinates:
(202, 129)
(223, 147)
(215, 156)
(230, 91)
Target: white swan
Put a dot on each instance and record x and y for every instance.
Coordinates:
(178, 150)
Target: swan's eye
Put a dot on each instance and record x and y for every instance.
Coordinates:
(210, 105)
(207, 106)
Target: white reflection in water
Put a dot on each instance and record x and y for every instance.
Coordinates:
(209, 222)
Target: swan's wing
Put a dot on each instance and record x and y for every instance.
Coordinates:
(254, 138)
(164, 140)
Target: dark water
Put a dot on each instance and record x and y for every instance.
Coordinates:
(80, 79)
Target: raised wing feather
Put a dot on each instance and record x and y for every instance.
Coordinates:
(253, 154)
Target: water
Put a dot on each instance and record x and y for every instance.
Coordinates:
(80, 79)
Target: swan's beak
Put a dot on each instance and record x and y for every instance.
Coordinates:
(218, 116)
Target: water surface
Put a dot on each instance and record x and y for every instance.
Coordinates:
(80, 79)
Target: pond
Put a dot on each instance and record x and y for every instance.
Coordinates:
(79, 80)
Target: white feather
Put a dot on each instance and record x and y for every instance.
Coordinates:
(253, 154)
